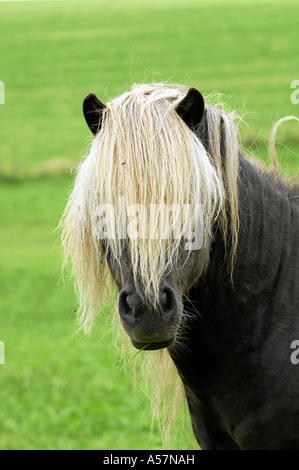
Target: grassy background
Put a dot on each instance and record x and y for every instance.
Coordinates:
(64, 392)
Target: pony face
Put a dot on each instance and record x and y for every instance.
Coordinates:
(150, 150)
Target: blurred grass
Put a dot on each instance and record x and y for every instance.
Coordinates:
(55, 53)
(60, 391)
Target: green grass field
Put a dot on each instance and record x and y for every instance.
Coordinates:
(60, 391)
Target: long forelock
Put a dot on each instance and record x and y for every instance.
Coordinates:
(146, 154)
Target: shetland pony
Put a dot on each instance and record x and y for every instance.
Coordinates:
(222, 314)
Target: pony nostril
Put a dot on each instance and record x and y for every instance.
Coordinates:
(124, 303)
(167, 300)
(130, 304)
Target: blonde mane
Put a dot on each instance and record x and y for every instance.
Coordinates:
(145, 153)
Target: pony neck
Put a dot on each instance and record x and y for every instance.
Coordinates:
(226, 319)
(265, 212)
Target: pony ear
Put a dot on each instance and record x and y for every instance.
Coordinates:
(93, 112)
(191, 108)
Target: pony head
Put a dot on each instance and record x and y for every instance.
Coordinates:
(145, 204)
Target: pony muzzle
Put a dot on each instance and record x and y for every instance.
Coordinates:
(150, 328)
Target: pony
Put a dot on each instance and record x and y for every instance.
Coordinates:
(215, 319)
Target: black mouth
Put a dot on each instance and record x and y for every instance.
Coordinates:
(153, 346)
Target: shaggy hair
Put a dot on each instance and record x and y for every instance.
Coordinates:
(145, 153)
